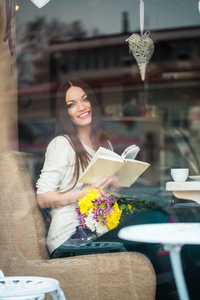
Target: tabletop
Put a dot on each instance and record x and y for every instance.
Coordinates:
(183, 186)
(166, 233)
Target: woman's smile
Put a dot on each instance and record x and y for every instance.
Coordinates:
(84, 115)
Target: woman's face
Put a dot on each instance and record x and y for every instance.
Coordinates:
(79, 106)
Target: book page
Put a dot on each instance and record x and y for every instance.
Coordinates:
(104, 152)
(99, 168)
(130, 152)
(130, 171)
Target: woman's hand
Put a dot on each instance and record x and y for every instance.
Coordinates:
(103, 183)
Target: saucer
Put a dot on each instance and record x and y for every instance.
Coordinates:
(197, 177)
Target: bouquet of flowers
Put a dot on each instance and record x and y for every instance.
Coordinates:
(98, 211)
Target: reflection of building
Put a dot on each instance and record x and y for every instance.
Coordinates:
(107, 58)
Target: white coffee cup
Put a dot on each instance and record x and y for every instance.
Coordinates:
(179, 174)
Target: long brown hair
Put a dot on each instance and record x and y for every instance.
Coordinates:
(66, 128)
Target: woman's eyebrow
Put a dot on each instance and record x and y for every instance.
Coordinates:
(84, 95)
(70, 101)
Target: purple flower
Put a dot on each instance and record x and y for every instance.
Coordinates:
(81, 218)
(102, 207)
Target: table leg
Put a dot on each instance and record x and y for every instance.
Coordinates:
(58, 294)
(175, 257)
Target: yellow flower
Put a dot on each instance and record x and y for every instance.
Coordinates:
(129, 207)
(113, 219)
(85, 203)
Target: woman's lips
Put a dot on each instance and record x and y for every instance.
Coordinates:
(84, 115)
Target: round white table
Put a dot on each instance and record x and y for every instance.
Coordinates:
(173, 236)
(29, 287)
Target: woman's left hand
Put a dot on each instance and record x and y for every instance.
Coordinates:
(103, 183)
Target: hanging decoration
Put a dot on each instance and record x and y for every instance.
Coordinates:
(40, 3)
(142, 47)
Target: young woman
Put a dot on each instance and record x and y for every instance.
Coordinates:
(79, 133)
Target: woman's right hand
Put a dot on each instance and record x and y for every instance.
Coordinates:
(58, 199)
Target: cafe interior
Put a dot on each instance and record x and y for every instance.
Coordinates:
(149, 97)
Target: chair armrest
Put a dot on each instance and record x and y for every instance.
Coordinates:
(124, 275)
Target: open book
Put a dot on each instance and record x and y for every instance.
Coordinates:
(107, 162)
